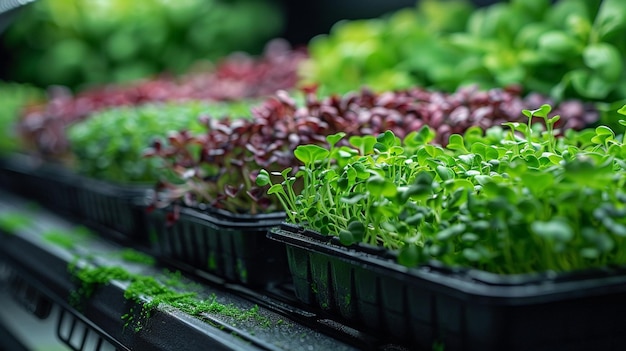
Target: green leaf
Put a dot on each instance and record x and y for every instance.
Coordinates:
(462, 183)
(529, 208)
(350, 174)
(275, 189)
(472, 254)
(357, 228)
(552, 157)
(558, 45)
(444, 173)
(499, 192)
(540, 112)
(603, 134)
(605, 60)
(557, 230)
(343, 183)
(611, 18)
(388, 139)
(554, 119)
(415, 219)
(311, 212)
(467, 159)
(424, 135)
(410, 255)
(285, 172)
(380, 147)
(451, 232)
(309, 154)
(590, 252)
(483, 179)
(424, 178)
(455, 142)
(263, 178)
(531, 160)
(379, 186)
(396, 150)
(333, 139)
(364, 143)
(346, 238)
(590, 85)
(469, 237)
(604, 130)
(473, 134)
(382, 210)
(602, 241)
(538, 182)
(415, 192)
(353, 198)
(361, 171)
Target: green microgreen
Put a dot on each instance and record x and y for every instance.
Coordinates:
(110, 144)
(530, 199)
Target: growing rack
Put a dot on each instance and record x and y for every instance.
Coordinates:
(40, 277)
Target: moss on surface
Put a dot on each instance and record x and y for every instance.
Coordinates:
(59, 238)
(131, 255)
(67, 238)
(151, 293)
(12, 221)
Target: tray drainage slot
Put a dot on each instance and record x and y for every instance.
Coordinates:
(79, 336)
(33, 300)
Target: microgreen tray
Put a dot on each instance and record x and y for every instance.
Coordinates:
(33, 300)
(117, 207)
(232, 246)
(149, 307)
(462, 309)
(121, 208)
(32, 178)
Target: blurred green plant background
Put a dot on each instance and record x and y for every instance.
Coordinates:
(564, 48)
(79, 43)
(13, 97)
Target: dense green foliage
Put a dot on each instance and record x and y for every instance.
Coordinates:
(110, 144)
(231, 152)
(14, 97)
(572, 48)
(399, 50)
(486, 200)
(76, 43)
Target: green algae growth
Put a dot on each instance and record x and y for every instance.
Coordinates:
(12, 221)
(132, 255)
(151, 293)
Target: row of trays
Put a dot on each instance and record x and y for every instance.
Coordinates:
(233, 246)
(359, 286)
(42, 277)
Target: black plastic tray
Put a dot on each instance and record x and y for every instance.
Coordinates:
(44, 265)
(82, 335)
(464, 310)
(35, 179)
(120, 208)
(232, 246)
(33, 300)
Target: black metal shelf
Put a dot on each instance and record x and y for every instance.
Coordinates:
(42, 267)
(8, 341)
